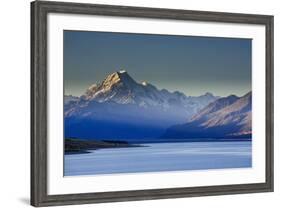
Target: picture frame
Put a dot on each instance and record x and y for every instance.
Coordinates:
(39, 102)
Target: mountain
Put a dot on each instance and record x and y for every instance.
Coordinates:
(228, 117)
(70, 98)
(121, 88)
(134, 110)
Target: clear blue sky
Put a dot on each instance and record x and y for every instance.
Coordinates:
(193, 65)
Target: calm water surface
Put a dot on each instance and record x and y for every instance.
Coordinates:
(161, 157)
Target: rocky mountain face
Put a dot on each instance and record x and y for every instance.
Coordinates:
(229, 117)
(121, 88)
(134, 110)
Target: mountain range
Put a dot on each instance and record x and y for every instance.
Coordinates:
(121, 88)
(120, 108)
(228, 117)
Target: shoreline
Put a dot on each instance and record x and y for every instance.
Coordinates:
(81, 146)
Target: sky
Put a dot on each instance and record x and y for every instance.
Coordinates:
(190, 64)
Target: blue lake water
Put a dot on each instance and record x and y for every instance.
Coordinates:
(161, 157)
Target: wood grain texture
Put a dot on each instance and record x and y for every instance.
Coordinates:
(39, 11)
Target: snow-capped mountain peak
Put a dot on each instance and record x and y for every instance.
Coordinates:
(119, 87)
(130, 104)
(111, 83)
(144, 83)
(122, 71)
(114, 78)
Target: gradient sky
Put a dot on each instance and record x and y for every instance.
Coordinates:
(193, 65)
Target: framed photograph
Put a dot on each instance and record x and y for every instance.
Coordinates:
(133, 103)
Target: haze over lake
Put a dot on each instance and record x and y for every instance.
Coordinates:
(155, 157)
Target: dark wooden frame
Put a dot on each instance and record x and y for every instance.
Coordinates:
(39, 12)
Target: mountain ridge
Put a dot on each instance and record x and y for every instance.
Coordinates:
(134, 110)
(121, 88)
(224, 118)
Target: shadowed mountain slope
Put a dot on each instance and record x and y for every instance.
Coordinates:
(121, 108)
(229, 117)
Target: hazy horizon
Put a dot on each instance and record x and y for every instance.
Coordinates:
(69, 94)
(192, 65)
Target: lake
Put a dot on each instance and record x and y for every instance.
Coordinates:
(154, 157)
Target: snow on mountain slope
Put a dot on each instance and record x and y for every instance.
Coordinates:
(226, 117)
(134, 110)
(238, 113)
(70, 98)
(121, 88)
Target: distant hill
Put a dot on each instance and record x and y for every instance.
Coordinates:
(229, 117)
(70, 98)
